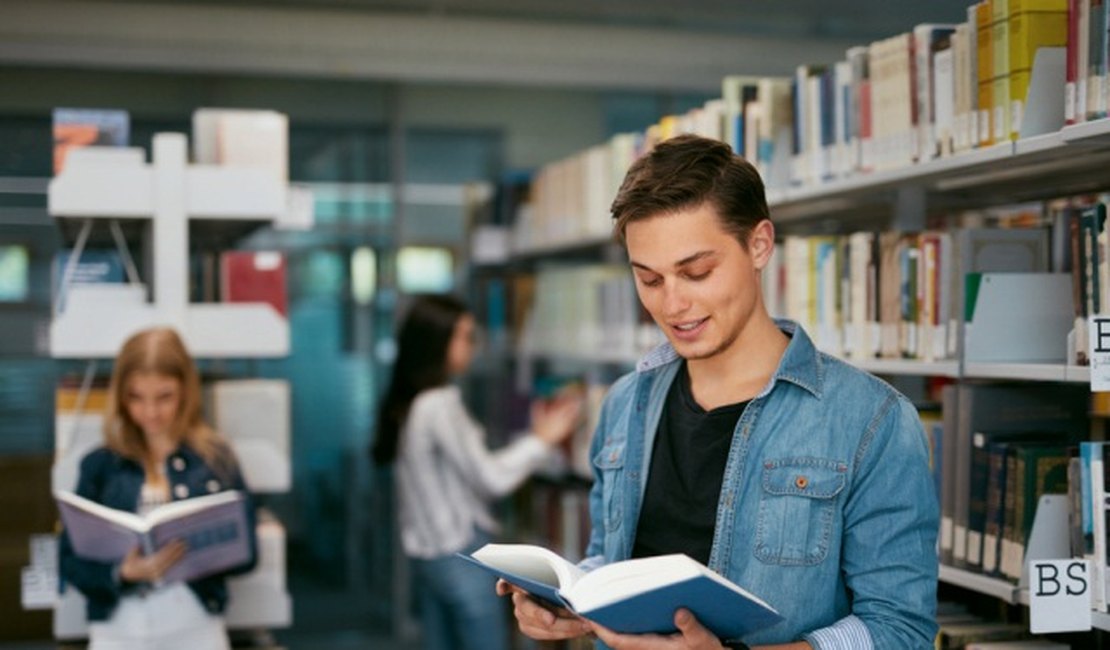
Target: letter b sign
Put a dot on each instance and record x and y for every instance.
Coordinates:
(1059, 596)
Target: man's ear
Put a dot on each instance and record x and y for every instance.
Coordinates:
(761, 243)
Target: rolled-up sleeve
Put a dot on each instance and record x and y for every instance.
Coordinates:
(890, 532)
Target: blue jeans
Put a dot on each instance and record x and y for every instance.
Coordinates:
(458, 607)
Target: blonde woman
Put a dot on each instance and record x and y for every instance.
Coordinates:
(157, 449)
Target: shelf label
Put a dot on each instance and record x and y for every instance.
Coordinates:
(1059, 596)
(1098, 346)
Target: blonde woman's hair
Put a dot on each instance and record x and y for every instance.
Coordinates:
(160, 351)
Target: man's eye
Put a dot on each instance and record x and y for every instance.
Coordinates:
(652, 282)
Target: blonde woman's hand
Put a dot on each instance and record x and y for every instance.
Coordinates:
(137, 567)
(554, 420)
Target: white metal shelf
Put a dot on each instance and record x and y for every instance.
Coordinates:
(908, 367)
(1093, 132)
(1077, 374)
(1018, 371)
(1000, 589)
(99, 318)
(1038, 143)
(624, 357)
(839, 193)
(1100, 621)
(109, 183)
(97, 182)
(1004, 591)
(560, 246)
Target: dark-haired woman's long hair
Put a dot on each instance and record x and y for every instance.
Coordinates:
(421, 364)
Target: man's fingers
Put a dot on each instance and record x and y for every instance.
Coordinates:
(527, 609)
(693, 631)
(542, 623)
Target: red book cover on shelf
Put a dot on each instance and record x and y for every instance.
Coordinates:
(254, 276)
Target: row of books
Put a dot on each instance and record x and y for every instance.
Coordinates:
(998, 449)
(240, 276)
(588, 310)
(553, 515)
(1088, 489)
(235, 137)
(938, 90)
(961, 630)
(569, 200)
(230, 276)
(892, 295)
(501, 302)
(1089, 249)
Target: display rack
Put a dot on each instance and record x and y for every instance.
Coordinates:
(103, 183)
(92, 321)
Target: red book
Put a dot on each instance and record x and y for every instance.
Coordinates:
(254, 276)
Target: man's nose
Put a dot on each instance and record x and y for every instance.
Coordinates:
(675, 300)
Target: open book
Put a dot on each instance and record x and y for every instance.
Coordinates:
(634, 596)
(213, 527)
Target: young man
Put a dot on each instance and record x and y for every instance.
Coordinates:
(791, 473)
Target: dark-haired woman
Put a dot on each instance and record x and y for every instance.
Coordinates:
(446, 476)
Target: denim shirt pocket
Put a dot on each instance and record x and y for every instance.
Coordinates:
(797, 508)
(610, 463)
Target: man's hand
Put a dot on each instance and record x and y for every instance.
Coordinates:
(137, 567)
(540, 622)
(691, 636)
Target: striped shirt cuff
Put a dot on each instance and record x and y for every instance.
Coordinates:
(847, 633)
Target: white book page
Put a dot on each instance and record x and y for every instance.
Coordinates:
(532, 562)
(177, 509)
(615, 582)
(126, 519)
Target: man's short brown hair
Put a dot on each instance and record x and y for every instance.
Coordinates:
(686, 172)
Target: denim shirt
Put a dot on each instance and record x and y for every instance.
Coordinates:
(112, 480)
(827, 509)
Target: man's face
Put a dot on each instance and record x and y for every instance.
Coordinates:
(695, 279)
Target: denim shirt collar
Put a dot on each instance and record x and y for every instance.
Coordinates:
(801, 364)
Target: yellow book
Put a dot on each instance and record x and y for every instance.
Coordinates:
(668, 127)
(985, 69)
(1000, 80)
(67, 400)
(1033, 24)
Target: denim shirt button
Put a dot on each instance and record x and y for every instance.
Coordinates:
(179, 464)
(180, 491)
(801, 482)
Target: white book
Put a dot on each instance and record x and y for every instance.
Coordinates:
(636, 596)
(213, 527)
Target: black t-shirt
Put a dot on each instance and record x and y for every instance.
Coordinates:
(687, 468)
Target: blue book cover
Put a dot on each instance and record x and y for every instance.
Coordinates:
(95, 266)
(637, 596)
